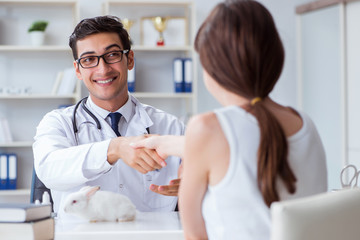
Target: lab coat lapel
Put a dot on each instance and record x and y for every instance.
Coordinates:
(140, 121)
(87, 127)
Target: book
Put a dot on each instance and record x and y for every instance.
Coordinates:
(67, 82)
(5, 131)
(36, 230)
(23, 212)
(57, 82)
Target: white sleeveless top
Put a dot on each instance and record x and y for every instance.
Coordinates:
(234, 208)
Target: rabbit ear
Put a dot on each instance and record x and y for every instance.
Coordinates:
(91, 191)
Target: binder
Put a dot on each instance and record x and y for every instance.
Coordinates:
(178, 73)
(12, 171)
(3, 171)
(131, 79)
(188, 76)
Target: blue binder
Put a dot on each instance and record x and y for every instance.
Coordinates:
(3, 171)
(188, 76)
(178, 74)
(12, 171)
(131, 79)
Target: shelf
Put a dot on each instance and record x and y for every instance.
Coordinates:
(156, 3)
(16, 192)
(29, 73)
(18, 144)
(37, 96)
(35, 2)
(162, 48)
(29, 48)
(54, 48)
(136, 94)
(162, 95)
(46, 48)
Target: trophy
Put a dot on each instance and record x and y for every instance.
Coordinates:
(160, 26)
(127, 23)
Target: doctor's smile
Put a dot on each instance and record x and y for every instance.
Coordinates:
(105, 81)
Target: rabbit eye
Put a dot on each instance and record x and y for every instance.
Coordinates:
(74, 201)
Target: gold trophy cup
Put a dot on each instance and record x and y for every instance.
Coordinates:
(127, 23)
(160, 26)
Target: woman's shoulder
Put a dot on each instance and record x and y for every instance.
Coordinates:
(203, 122)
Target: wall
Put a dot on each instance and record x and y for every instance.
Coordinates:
(284, 15)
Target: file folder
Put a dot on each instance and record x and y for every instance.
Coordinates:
(131, 79)
(178, 73)
(3, 171)
(12, 172)
(188, 76)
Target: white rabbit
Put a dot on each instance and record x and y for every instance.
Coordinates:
(95, 205)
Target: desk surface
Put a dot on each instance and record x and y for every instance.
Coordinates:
(147, 225)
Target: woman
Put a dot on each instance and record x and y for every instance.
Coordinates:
(252, 152)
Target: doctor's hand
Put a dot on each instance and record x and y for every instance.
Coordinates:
(168, 190)
(143, 160)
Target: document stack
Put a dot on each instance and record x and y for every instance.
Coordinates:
(26, 221)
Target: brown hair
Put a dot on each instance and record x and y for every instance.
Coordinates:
(100, 24)
(240, 48)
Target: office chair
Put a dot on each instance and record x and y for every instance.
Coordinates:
(327, 216)
(37, 189)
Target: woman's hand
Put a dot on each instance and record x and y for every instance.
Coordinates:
(166, 145)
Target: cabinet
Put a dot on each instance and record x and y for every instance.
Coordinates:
(33, 68)
(154, 84)
(329, 74)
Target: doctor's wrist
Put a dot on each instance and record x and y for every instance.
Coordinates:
(113, 153)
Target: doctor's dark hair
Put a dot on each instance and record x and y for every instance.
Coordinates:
(100, 24)
(241, 50)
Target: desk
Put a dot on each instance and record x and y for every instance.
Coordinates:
(147, 225)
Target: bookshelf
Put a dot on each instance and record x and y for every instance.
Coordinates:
(154, 84)
(34, 68)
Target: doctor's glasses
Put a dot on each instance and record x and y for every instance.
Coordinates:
(109, 58)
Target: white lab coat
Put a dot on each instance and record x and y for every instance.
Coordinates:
(65, 166)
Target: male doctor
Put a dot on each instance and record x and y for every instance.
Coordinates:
(77, 146)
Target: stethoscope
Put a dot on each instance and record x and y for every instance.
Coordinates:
(98, 125)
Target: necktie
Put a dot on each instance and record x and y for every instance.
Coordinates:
(115, 118)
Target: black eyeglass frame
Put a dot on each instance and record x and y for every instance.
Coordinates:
(102, 56)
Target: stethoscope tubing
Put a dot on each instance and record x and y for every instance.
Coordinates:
(82, 102)
(98, 125)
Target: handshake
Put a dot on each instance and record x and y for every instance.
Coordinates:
(148, 153)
